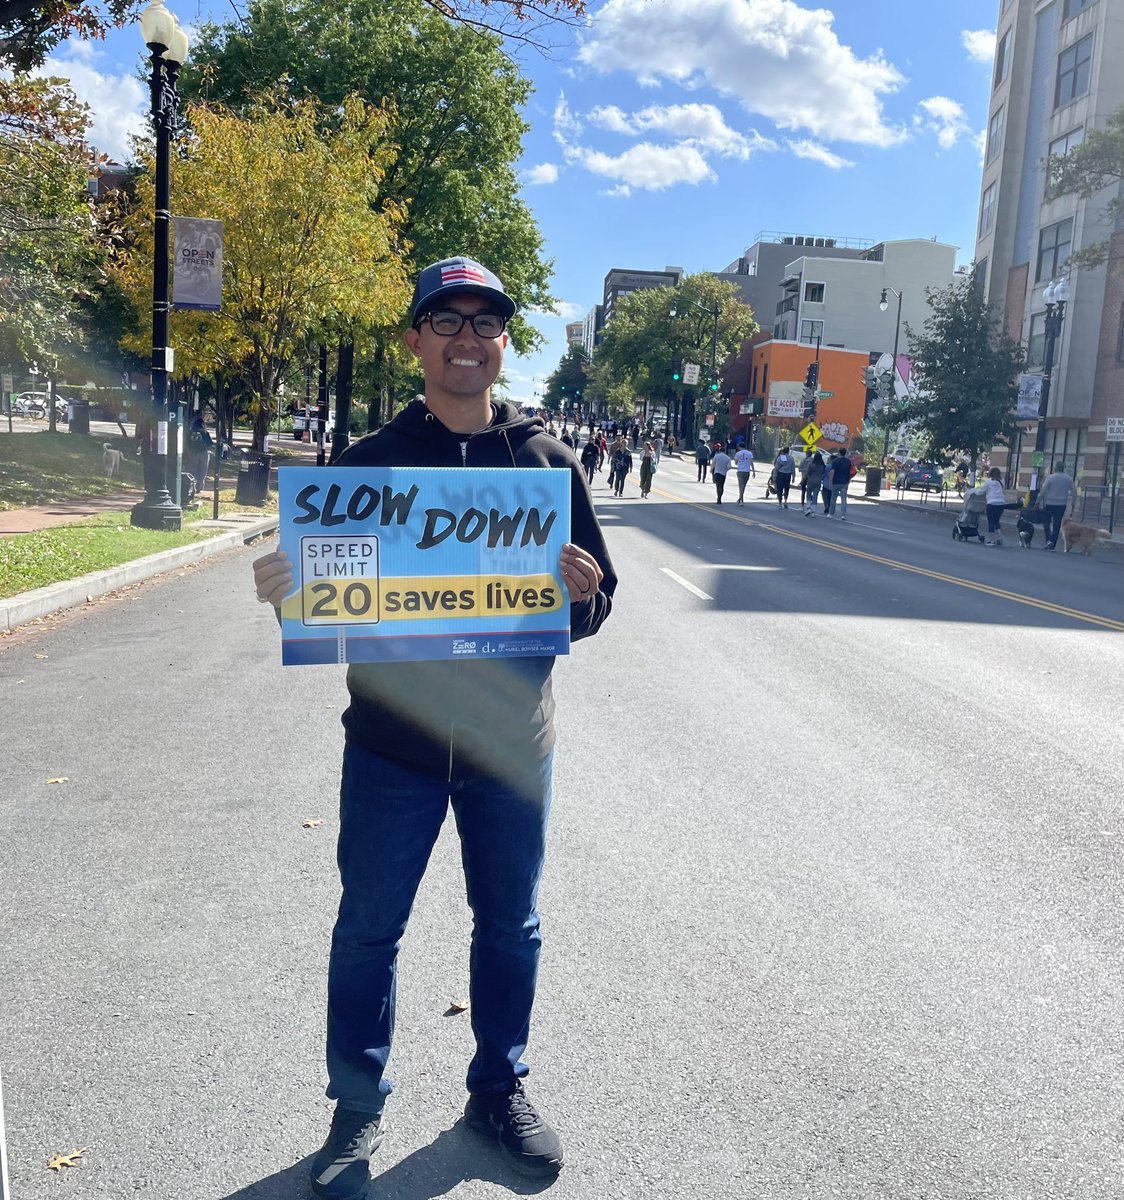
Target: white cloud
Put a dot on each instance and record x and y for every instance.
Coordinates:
(566, 309)
(945, 118)
(778, 59)
(650, 168)
(118, 103)
(567, 127)
(620, 191)
(806, 148)
(980, 44)
(542, 173)
(700, 125)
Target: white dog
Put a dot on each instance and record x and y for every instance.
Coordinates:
(110, 460)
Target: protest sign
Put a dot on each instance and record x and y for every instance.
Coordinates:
(399, 564)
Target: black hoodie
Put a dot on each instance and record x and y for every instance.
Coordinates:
(457, 719)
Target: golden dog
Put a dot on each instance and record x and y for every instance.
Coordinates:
(110, 460)
(1082, 538)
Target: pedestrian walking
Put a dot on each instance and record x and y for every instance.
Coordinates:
(602, 449)
(1055, 496)
(420, 736)
(840, 473)
(620, 465)
(590, 455)
(657, 447)
(719, 467)
(783, 467)
(702, 459)
(995, 497)
(813, 481)
(743, 464)
(825, 487)
(647, 469)
(805, 464)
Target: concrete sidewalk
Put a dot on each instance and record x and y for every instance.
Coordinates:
(233, 529)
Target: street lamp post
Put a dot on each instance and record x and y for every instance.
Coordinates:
(168, 45)
(1055, 295)
(884, 304)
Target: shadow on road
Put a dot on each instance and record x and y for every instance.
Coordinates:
(453, 1157)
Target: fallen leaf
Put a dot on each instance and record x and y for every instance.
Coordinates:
(60, 779)
(66, 1160)
(312, 823)
(458, 1006)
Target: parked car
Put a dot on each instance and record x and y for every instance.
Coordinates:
(304, 420)
(922, 475)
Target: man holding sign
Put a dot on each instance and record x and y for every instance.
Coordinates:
(420, 735)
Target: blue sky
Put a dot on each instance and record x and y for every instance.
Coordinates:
(670, 133)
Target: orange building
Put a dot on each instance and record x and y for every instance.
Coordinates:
(767, 383)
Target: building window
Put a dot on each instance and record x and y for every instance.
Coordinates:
(1054, 244)
(811, 331)
(1059, 148)
(778, 331)
(813, 293)
(1072, 7)
(995, 134)
(753, 385)
(1002, 59)
(1074, 66)
(987, 210)
(765, 380)
(1036, 343)
(979, 277)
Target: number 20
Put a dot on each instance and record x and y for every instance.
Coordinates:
(356, 600)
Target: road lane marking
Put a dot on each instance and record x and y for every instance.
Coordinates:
(739, 567)
(987, 589)
(685, 583)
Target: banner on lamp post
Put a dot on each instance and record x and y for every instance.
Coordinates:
(1030, 395)
(197, 278)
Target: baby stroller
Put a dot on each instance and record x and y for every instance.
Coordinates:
(967, 527)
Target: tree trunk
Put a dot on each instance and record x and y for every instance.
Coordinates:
(261, 425)
(376, 408)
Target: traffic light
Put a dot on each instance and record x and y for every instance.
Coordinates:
(812, 379)
(714, 386)
(676, 367)
(870, 379)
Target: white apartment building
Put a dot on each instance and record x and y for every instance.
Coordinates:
(1058, 73)
(838, 299)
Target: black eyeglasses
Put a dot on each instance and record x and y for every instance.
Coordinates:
(447, 323)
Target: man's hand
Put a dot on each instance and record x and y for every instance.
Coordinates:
(273, 577)
(580, 572)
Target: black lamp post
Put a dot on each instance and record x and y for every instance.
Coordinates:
(168, 44)
(1055, 295)
(884, 304)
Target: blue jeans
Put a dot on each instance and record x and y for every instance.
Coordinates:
(839, 494)
(389, 820)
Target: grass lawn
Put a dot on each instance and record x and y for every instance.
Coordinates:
(44, 468)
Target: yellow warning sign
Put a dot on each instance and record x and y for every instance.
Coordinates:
(811, 434)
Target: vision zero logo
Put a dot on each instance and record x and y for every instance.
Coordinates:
(339, 580)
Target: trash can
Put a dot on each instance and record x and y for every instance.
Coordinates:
(873, 481)
(79, 416)
(253, 478)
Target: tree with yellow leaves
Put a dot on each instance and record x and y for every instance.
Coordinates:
(305, 247)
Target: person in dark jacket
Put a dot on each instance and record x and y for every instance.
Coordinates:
(620, 465)
(702, 460)
(591, 453)
(478, 734)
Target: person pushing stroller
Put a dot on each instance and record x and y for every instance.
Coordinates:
(967, 527)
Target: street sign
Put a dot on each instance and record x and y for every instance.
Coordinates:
(704, 435)
(1037, 458)
(710, 418)
(690, 372)
(826, 395)
(810, 434)
(1115, 431)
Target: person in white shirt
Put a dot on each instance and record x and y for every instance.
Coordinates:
(996, 499)
(719, 468)
(743, 464)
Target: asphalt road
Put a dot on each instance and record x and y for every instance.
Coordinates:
(831, 909)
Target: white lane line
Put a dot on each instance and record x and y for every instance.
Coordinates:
(739, 567)
(684, 583)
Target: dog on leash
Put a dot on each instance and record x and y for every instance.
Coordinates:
(110, 460)
(1025, 528)
(1082, 538)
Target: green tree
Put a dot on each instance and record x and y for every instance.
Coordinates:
(306, 248)
(454, 100)
(643, 338)
(569, 382)
(966, 370)
(49, 254)
(1092, 167)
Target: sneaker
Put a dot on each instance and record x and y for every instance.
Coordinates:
(809, 513)
(841, 517)
(341, 1169)
(989, 542)
(533, 1147)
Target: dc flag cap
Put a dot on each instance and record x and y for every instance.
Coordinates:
(457, 276)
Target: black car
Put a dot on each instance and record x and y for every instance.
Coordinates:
(922, 475)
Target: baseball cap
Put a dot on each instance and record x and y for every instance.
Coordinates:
(455, 276)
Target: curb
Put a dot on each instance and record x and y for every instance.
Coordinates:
(28, 606)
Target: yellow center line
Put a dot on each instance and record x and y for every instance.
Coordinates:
(1001, 593)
